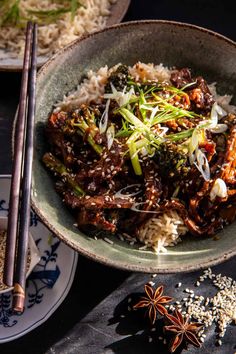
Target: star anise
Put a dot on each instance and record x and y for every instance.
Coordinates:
(154, 302)
(185, 332)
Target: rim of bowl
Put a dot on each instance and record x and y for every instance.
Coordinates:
(103, 260)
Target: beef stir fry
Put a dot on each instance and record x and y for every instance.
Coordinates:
(147, 147)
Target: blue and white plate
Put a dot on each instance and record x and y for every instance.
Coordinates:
(47, 285)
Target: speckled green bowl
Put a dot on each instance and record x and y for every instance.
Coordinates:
(173, 44)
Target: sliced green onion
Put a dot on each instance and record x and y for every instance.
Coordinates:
(110, 136)
(135, 159)
(104, 119)
(194, 141)
(122, 193)
(202, 164)
(131, 118)
(220, 128)
(188, 85)
(219, 189)
(121, 97)
(134, 153)
(142, 143)
(181, 135)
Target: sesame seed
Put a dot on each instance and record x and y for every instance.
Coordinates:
(108, 240)
(151, 283)
(218, 309)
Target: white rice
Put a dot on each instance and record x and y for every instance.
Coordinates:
(51, 37)
(223, 101)
(162, 231)
(92, 88)
(167, 228)
(145, 72)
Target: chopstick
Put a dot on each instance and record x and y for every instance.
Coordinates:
(19, 204)
(22, 249)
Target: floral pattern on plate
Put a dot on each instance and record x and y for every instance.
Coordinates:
(47, 285)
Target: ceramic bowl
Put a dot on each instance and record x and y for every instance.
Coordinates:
(9, 63)
(173, 44)
(34, 252)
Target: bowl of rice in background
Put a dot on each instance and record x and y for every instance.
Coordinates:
(63, 28)
(32, 259)
(76, 74)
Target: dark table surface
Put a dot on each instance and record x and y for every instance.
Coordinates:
(90, 319)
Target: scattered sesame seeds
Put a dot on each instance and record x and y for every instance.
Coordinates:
(218, 310)
(108, 240)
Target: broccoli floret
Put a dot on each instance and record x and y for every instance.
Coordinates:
(118, 78)
(172, 161)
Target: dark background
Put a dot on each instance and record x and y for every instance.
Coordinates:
(83, 323)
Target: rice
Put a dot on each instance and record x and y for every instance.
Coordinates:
(166, 229)
(145, 72)
(162, 231)
(90, 17)
(92, 88)
(224, 100)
